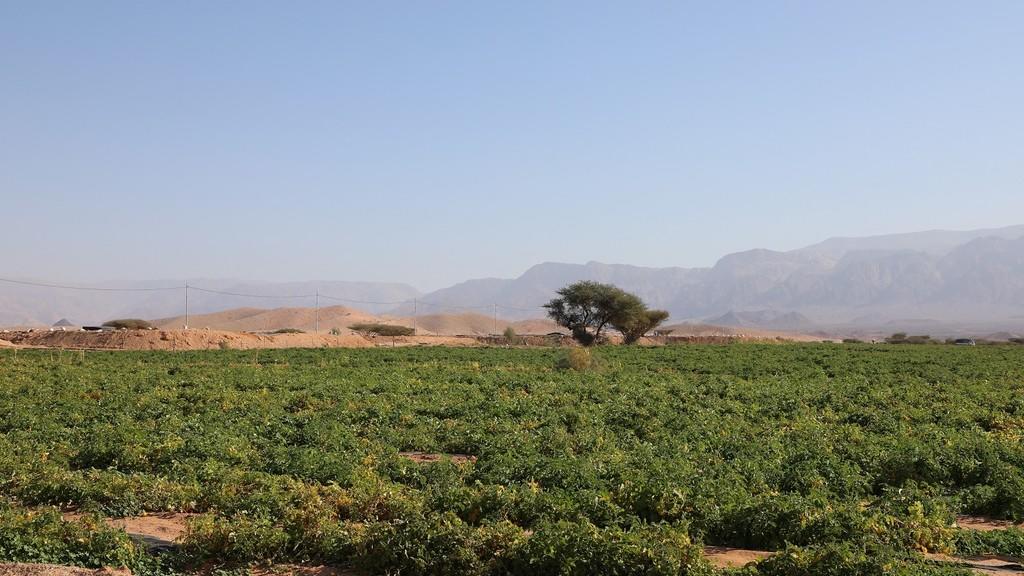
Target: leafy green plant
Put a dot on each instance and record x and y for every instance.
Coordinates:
(1006, 542)
(42, 536)
(490, 461)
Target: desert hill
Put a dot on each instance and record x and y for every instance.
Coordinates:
(475, 324)
(26, 305)
(342, 317)
(711, 330)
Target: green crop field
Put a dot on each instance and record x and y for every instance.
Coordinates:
(848, 459)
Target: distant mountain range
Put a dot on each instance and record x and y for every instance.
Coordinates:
(935, 278)
(938, 275)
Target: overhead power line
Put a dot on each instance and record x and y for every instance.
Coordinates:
(353, 301)
(270, 296)
(502, 306)
(455, 306)
(186, 287)
(89, 288)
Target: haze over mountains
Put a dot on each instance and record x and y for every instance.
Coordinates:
(935, 278)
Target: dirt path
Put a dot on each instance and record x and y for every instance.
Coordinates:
(985, 524)
(155, 532)
(726, 557)
(982, 564)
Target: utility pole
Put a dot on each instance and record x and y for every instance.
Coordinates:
(186, 305)
(316, 327)
(413, 316)
(495, 319)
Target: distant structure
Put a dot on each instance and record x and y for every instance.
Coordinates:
(63, 323)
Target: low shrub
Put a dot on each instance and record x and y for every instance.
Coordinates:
(1008, 542)
(383, 329)
(43, 536)
(578, 359)
(288, 331)
(583, 548)
(129, 324)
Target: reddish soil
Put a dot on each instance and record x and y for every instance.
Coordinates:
(725, 557)
(985, 524)
(982, 564)
(152, 530)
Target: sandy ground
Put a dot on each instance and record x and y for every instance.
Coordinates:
(268, 320)
(725, 557)
(181, 340)
(982, 564)
(342, 317)
(984, 524)
(203, 339)
(154, 531)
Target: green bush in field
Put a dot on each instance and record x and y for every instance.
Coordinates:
(41, 536)
(1006, 542)
(578, 359)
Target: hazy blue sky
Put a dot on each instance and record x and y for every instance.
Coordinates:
(431, 142)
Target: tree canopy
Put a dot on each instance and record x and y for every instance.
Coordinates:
(586, 308)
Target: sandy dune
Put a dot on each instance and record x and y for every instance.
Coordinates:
(268, 320)
(341, 317)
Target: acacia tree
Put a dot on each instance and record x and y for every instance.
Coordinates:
(586, 308)
(637, 323)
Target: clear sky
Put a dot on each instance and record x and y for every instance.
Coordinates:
(431, 142)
